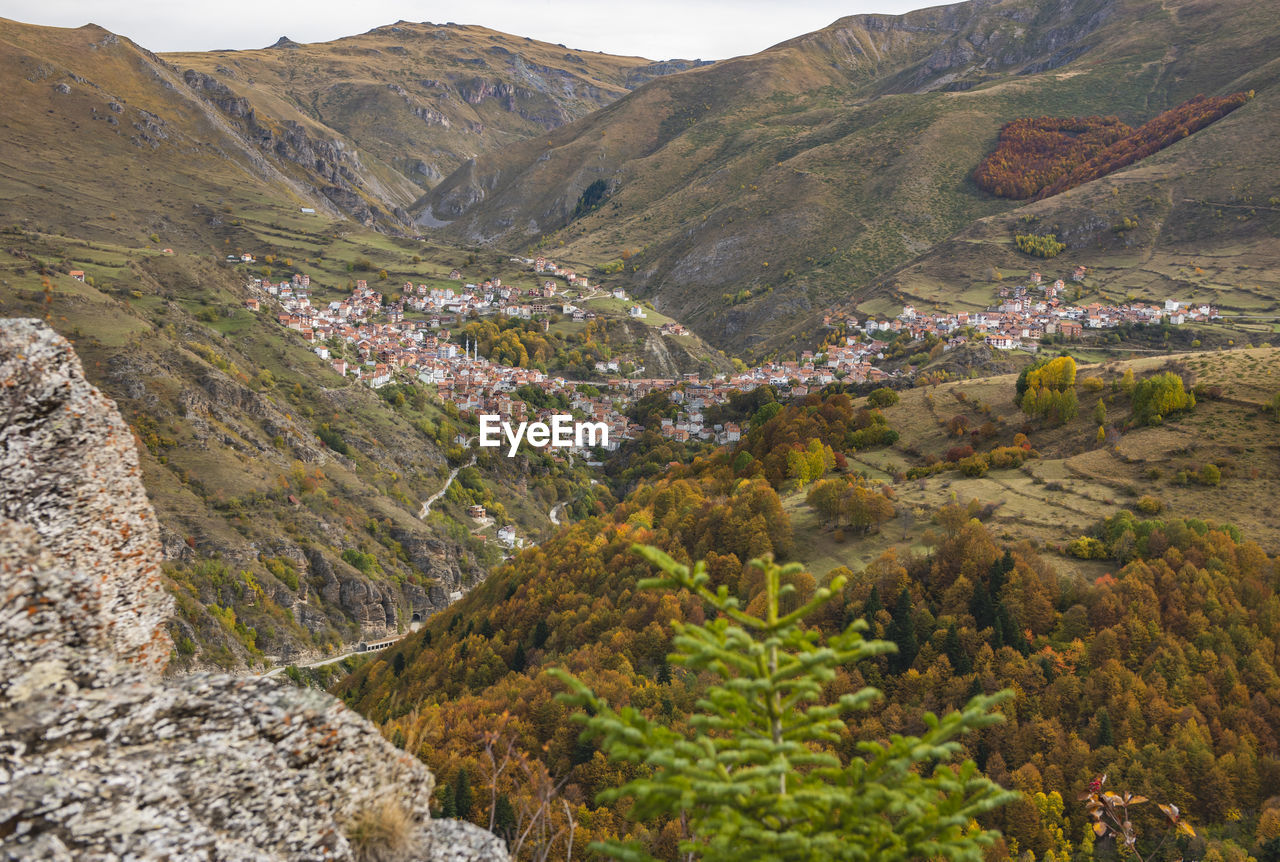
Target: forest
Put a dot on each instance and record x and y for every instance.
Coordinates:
(1037, 157)
(1160, 673)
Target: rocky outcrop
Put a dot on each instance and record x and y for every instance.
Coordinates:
(68, 469)
(336, 171)
(644, 74)
(103, 758)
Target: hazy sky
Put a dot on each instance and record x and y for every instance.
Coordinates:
(707, 29)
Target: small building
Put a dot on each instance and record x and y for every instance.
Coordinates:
(77, 274)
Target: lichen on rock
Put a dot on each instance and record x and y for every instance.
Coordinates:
(103, 758)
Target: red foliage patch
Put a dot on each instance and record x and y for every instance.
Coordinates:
(1042, 156)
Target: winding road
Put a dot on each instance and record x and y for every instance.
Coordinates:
(426, 506)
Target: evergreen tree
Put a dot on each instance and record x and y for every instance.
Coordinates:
(902, 631)
(996, 577)
(504, 819)
(955, 653)
(1011, 631)
(448, 807)
(759, 770)
(540, 634)
(873, 605)
(462, 797)
(984, 612)
(1106, 735)
(519, 661)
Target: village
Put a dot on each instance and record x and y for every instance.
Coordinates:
(1027, 313)
(411, 340)
(389, 344)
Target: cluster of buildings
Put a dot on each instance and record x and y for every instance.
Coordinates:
(691, 425)
(1024, 314)
(386, 345)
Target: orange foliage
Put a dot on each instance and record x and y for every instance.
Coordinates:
(1042, 156)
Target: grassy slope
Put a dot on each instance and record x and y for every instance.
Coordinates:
(225, 405)
(808, 170)
(1208, 213)
(1075, 482)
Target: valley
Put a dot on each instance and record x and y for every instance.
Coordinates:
(917, 307)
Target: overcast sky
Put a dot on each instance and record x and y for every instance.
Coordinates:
(706, 29)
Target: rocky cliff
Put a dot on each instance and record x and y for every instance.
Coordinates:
(100, 756)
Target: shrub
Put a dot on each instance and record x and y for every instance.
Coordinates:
(283, 571)
(1007, 457)
(1160, 396)
(958, 453)
(1039, 246)
(759, 769)
(882, 397)
(1086, 548)
(1209, 475)
(366, 563)
(1149, 505)
(333, 439)
(921, 472)
(974, 465)
(1091, 384)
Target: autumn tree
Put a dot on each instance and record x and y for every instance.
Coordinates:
(1050, 391)
(1159, 396)
(757, 769)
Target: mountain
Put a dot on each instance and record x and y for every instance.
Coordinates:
(752, 193)
(1197, 222)
(424, 98)
(108, 139)
(290, 499)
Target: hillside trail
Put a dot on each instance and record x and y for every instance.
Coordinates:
(426, 506)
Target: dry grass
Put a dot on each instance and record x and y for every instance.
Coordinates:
(381, 831)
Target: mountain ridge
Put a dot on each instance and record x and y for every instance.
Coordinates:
(806, 172)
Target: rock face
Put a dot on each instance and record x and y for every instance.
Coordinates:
(101, 757)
